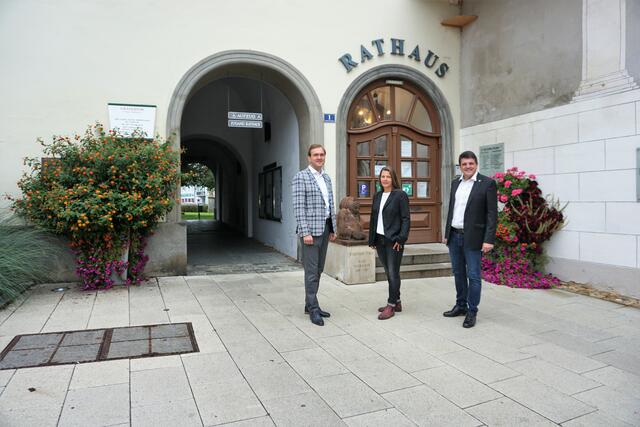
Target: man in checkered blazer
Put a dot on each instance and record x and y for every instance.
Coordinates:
(315, 214)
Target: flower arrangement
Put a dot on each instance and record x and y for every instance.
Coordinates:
(525, 222)
(105, 193)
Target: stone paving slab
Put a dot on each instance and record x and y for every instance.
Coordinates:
(505, 412)
(535, 357)
(387, 417)
(87, 408)
(459, 388)
(347, 395)
(552, 404)
(425, 407)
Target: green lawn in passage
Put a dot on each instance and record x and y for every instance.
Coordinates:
(194, 215)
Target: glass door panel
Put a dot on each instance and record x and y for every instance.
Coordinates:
(422, 191)
(364, 167)
(363, 149)
(422, 169)
(406, 147)
(406, 169)
(378, 167)
(381, 146)
(422, 151)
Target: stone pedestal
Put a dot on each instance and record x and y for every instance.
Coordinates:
(351, 263)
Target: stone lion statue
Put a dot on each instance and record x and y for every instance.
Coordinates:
(349, 227)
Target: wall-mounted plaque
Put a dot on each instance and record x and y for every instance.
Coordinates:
(128, 118)
(491, 159)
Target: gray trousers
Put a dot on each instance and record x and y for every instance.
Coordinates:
(313, 257)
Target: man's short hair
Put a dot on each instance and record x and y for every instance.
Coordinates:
(467, 155)
(313, 147)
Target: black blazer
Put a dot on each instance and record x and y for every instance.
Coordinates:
(395, 216)
(480, 215)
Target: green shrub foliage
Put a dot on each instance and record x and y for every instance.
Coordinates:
(105, 193)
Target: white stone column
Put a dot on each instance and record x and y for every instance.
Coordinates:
(603, 49)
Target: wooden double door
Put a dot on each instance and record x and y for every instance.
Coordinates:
(416, 159)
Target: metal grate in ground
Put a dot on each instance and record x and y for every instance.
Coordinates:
(62, 348)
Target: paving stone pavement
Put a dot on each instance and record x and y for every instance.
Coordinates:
(535, 357)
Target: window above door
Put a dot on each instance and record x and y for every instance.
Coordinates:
(392, 104)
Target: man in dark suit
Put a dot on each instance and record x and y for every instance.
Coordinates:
(470, 232)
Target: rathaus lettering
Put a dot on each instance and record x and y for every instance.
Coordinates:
(397, 48)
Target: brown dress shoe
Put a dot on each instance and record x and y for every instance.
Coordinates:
(397, 309)
(387, 313)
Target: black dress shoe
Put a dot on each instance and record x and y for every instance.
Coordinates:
(316, 319)
(322, 313)
(455, 311)
(469, 320)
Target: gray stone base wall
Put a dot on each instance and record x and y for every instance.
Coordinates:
(624, 280)
(167, 250)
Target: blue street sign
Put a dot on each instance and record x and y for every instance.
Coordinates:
(329, 118)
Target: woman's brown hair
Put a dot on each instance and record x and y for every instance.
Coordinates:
(394, 178)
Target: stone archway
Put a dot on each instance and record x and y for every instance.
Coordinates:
(396, 72)
(256, 65)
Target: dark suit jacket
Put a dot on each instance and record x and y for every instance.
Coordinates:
(480, 215)
(395, 216)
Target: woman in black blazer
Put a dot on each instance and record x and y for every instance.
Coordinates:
(388, 231)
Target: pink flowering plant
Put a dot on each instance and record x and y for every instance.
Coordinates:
(525, 222)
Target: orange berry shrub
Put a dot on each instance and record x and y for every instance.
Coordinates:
(105, 193)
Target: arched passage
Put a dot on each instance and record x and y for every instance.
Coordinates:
(258, 66)
(243, 158)
(230, 172)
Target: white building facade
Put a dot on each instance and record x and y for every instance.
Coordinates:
(579, 132)
(375, 82)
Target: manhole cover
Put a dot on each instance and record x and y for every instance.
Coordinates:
(61, 348)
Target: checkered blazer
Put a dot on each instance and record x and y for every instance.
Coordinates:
(308, 204)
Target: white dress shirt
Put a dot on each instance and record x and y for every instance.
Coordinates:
(323, 187)
(380, 225)
(462, 196)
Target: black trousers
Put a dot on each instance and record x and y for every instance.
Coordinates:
(390, 260)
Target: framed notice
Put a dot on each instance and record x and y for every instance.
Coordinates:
(129, 118)
(491, 159)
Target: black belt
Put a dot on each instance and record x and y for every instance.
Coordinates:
(457, 230)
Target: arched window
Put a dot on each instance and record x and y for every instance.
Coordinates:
(391, 103)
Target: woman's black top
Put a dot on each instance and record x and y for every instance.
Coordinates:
(395, 217)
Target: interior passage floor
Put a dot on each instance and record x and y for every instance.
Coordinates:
(213, 248)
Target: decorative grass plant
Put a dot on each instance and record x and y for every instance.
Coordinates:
(24, 252)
